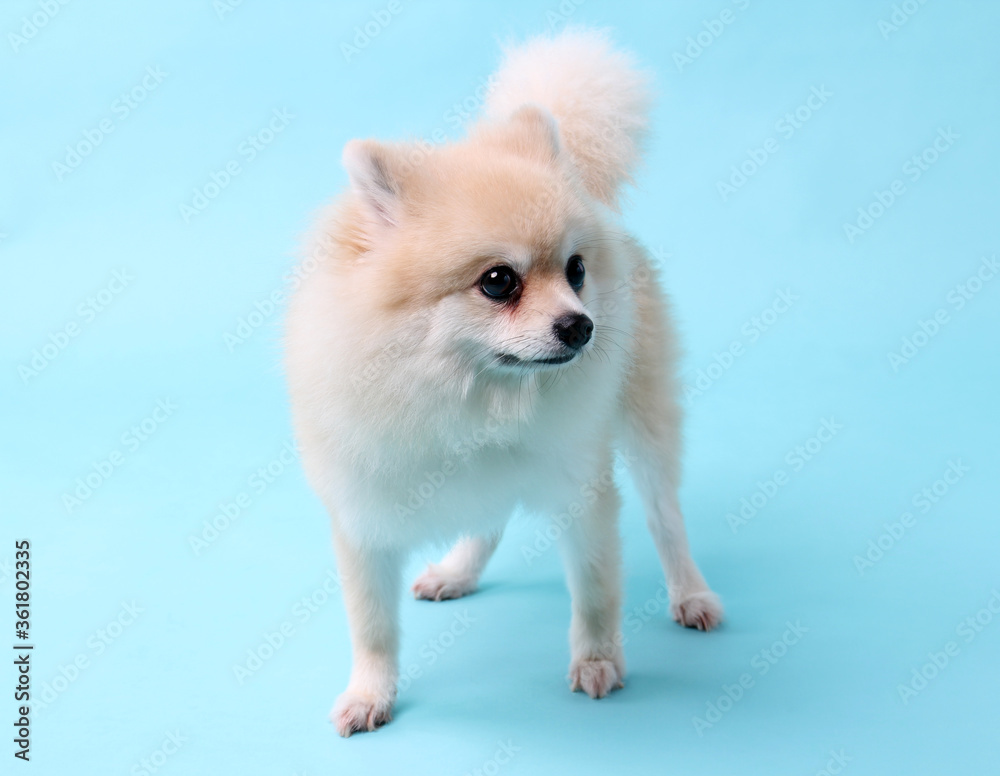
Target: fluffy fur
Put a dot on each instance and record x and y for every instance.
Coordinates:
(426, 411)
(599, 96)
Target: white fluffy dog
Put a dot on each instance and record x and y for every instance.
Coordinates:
(481, 334)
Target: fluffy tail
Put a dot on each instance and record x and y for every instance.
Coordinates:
(597, 95)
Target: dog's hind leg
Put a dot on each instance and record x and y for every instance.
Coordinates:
(458, 572)
(652, 440)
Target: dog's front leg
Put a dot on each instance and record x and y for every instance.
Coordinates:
(370, 579)
(591, 551)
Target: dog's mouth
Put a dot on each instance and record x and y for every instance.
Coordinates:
(510, 360)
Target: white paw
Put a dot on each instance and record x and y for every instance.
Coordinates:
(358, 713)
(437, 584)
(595, 677)
(700, 610)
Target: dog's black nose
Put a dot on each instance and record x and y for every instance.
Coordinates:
(574, 330)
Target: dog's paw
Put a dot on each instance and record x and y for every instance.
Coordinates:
(700, 610)
(595, 677)
(437, 584)
(359, 713)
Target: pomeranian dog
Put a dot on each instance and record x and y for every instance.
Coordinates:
(480, 335)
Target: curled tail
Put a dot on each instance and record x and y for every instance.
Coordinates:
(597, 94)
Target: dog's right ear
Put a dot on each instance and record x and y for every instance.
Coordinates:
(371, 168)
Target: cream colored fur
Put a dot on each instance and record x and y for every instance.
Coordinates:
(423, 409)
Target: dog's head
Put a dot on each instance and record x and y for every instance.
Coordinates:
(492, 248)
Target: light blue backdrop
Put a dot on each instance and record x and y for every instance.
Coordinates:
(828, 298)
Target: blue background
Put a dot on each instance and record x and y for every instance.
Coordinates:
(725, 259)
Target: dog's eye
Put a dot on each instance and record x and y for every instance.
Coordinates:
(575, 272)
(499, 283)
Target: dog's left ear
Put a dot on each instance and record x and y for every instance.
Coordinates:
(534, 133)
(372, 168)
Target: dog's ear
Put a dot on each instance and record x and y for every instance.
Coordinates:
(534, 133)
(374, 173)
